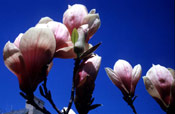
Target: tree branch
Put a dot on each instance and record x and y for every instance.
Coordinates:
(47, 95)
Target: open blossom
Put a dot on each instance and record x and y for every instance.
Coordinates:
(160, 84)
(85, 82)
(77, 16)
(29, 57)
(64, 45)
(124, 76)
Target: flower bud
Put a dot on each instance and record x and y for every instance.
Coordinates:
(80, 44)
(85, 82)
(73, 16)
(89, 67)
(124, 77)
(159, 83)
(77, 16)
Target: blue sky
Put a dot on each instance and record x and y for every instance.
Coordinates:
(139, 31)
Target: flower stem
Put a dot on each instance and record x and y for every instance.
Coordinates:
(170, 110)
(76, 66)
(130, 101)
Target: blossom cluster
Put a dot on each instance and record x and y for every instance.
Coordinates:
(159, 82)
(30, 58)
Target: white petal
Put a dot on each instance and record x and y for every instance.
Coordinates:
(152, 90)
(44, 20)
(116, 80)
(92, 11)
(70, 111)
(136, 74)
(13, 58)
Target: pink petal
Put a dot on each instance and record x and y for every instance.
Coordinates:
(66, 52)
(37, 47)
(73, 16)
(124, 70)
(17, 40)
(136, 74)
(162, 79)
(61, 33)
(92, 65)
(116, 80)
(150, 87)
(89, 67)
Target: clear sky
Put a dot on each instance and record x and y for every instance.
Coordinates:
(139, 31)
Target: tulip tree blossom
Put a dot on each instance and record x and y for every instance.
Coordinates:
(160, 84)
(29, 57)
(124, 76)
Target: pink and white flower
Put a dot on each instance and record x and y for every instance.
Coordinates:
(124, 76)
(30, 56)
(160, 84)
(77, 16)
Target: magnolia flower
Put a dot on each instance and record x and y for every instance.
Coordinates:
(64, 45)
(85, 82)
(160, 84)
(124, 76)
(28, 57)
(77, 16)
